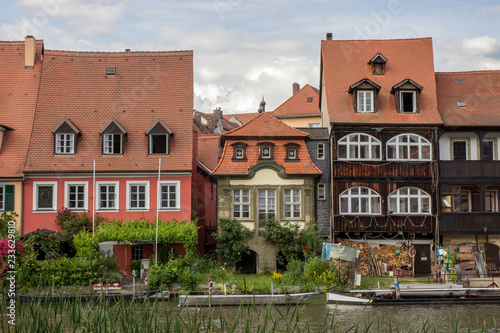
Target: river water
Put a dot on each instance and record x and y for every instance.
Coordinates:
(400, 318)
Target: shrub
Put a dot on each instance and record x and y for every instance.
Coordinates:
(5, 218)
(86, 245)
(229, 241)
(46, 247)
(188, 280)
(135, 265)
(284, 237)
(163, 276)
(294, 271)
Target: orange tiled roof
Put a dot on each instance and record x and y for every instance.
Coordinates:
(479, 90)
(345, 63)
(18, 93)
(147, 86)
(243, 117)
(208, 150)
(266, 128)
(297, 105)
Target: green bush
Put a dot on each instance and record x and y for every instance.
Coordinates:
(316, 265)
(163, 276)
(293, 274)
(188, 280)
(229, 241)
(135, 265)
(86, 245)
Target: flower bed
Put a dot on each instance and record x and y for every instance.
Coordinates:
(109, 286)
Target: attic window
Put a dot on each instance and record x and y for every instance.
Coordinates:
(266, 150)
(292, 152)
(461, 105)
(309, 99)
(112, 138)
(406, 95)
(239, 152)
(65, 137)
(378, 64)
(159, 138)
(110, 70)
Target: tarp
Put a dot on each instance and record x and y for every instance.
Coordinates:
(337, 251)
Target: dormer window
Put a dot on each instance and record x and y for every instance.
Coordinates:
(110, 71)
(378, 64)
(112, 138)
(406, 94)
(159, 138)
(266, 150)
(292, 150)
(65, 135)
(363, 93)
(239, 152)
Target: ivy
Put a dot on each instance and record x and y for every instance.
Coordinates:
(285, 237)
(134, 231)
(229, 240)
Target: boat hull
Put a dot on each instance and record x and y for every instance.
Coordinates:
(203, 300)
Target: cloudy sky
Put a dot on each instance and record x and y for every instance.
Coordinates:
(246, 49)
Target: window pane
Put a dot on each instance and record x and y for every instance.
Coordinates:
(159, 143)
(391, 152)
(364, 205)
(488, 150)
(393, 205)
(403, 205)
(425, 205)
(459, 150)
(375, 201)
(414, 152)
(376, 151)
(344, 205)
(342, 151)
(354, 205)
(403, 152)
(426, 152)
(414, 205)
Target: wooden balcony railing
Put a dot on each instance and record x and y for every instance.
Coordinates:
(469, 169)
(417, 224)
(469, 223)
(381, 170)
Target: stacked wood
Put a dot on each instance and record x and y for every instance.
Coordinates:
(371, 258)
(466, 257)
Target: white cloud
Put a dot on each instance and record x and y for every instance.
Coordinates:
(483, 45)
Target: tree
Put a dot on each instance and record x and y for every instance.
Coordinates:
(229, 240)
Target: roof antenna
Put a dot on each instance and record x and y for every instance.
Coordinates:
(262, 108)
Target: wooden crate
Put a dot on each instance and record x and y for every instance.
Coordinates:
(465, 256)
(465, 249)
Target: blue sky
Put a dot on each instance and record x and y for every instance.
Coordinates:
(246, 49)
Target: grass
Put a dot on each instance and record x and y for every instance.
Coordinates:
(385, 282)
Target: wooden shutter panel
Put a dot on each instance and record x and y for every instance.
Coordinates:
(9, 197)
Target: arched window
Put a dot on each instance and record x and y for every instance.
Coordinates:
(359, 146)
(409, 200)
(410, 147)
(359, 200)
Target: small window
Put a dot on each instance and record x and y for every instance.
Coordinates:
(239, 151)
(488, 150)
(292, 150)
(292, 153)
(112, 143)
(65, 143)
(314, 124)
(44, 196)
(76, 196)
(110, 70)
(241, 204)
(321, 191)
(408, 103)
(107, 196)
(137, 195)
(460, 150)
(309, 99)
(137, 252)
(320, 152)
(378, 68)
(169, 195)
(265, 150)
(292, 203)
(365, 101)
(158, 143)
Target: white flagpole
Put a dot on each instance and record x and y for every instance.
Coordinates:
(93, 201)
(157, 211)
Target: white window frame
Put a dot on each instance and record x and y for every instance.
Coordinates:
(291, 203)
(288, 151)
(64, 141)
(314, 124)
(116, 184)
(146, 197)
(267, 156)
(321, 190)
(85, 195)
(177, 185)
(467, 148)
(135, 250)
(363, 96)
(239, 149)
(52, 209)
(350, 195)
(108, 144)
(347, 141)
(494, 196)
(167, 139)
(238, 193)
(494, 142)
(266, 204)
(404, 193)
(414, 97)
(320, 147)
(399, 144)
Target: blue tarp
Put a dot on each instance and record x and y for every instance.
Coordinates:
(338, 251)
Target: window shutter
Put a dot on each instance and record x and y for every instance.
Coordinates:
(9, 197)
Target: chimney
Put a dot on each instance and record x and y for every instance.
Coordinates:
(210, 124)
(127, 50)
(218, 113)
(29, 52)
(329, 36)
(296, 88)
(262, 108)
(197, 117)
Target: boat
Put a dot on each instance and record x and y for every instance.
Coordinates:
(417, 293)
(25, 298)
(203, 300)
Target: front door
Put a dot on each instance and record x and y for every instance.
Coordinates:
(422, 259)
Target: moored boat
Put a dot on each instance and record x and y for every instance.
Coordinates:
(203, 300)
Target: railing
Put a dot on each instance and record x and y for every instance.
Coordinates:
(381, 169)
(469, 169)
(418, 224)
(469, 223)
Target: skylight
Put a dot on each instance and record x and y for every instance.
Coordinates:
(461, 105)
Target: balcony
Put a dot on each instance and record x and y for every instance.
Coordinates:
(469, 169)
(417, 224)
(469, 223)
(383, 169)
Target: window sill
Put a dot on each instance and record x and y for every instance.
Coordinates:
(292, 160)
(64, 154)
(239, 160)
(158, 154)
(107, 210)
(137, 210)
(170, 209)
(44, 211)
(112, 155)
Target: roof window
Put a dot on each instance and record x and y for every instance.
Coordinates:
(110, 70)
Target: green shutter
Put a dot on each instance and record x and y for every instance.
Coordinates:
(9, 197)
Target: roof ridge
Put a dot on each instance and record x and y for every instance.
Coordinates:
(375, 40)
(114, 53)
(244, 125)
(471, 72)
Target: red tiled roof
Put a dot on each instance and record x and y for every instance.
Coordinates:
(18, 93)
(298, 105)
(226, 124)
(346, 62)
(479, 90)
(147, 86)
(243, 117)
(208, 150)
(265, 126)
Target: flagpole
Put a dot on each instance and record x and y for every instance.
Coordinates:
(157, 211)
(93, 201)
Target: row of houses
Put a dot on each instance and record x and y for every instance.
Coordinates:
(385, 151)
